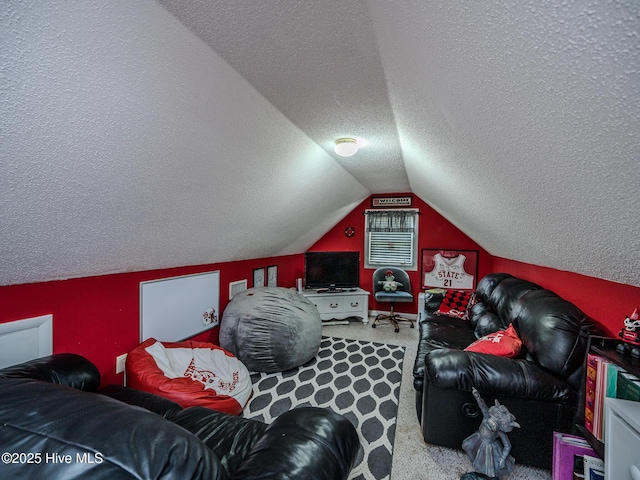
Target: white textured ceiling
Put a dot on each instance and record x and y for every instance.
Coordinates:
(133, 138)
(318, 63)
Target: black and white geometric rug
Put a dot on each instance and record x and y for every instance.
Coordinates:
(358, 379)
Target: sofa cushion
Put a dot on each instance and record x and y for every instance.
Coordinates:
(230, 437)
(437, 332)
(487, 284)
(154, 403)
(554, 332)
(504, 343)
(483, 321)
(506, 295)
(513, 377)
(433, 299)
(62, 368)
(306, 437)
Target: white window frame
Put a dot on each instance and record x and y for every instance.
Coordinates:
(376, 257)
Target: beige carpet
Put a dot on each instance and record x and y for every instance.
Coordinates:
(413, 459)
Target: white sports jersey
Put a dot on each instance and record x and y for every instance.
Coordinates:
(449, 273)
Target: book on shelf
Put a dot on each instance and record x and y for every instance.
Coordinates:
(604, 378)
(590, 391)
(612, 379)
(565, 448)
(628, 387)
(600, 373)
(600, 393)
(593, 468)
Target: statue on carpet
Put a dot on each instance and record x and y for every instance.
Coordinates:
(489, 447)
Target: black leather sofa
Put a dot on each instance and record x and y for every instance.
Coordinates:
(55, 423)
(540, 387)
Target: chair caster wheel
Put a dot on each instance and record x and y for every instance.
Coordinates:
(373, 326)
(397, 330)
(413, 326)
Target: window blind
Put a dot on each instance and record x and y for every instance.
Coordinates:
(391, 237)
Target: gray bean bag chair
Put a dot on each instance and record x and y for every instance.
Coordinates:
(271, 329)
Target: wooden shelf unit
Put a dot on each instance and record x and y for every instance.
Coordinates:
(606, 347)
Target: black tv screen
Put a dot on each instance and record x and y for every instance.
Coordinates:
(332, 270)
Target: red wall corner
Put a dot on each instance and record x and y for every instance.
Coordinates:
(434, 231)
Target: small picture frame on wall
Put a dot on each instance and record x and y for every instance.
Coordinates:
(450, 269)
(272, 276)
(258, 277)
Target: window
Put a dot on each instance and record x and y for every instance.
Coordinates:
(391, 239)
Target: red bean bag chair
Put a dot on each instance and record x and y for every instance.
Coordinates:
(190, 373)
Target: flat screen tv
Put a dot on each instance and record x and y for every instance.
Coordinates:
(331, 270)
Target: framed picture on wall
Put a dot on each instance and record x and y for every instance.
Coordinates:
(272, 276)
(450, 269)
(258, 277)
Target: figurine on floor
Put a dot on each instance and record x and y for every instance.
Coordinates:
(489, 447)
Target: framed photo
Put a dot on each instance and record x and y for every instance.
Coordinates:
(272, 276)
(258, 277)
(451, 269)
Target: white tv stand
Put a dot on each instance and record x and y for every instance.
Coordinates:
(336, 306)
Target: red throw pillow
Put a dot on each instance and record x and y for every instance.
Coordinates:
(504, 343)
(454, 303)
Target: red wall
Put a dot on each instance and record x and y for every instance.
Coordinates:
(606, 302)
(98, 317)
(434, 231)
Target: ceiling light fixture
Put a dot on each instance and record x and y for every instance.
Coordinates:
(345, 147)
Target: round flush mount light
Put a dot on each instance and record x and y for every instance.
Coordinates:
(345, 147)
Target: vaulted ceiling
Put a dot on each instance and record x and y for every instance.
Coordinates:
(140, 135)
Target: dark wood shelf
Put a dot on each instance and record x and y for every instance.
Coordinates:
(606, 347)
(596, 444)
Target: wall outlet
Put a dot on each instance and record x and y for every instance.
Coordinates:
(120, 362)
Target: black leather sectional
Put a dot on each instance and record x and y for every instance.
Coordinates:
(55, 423)
(540, 387)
